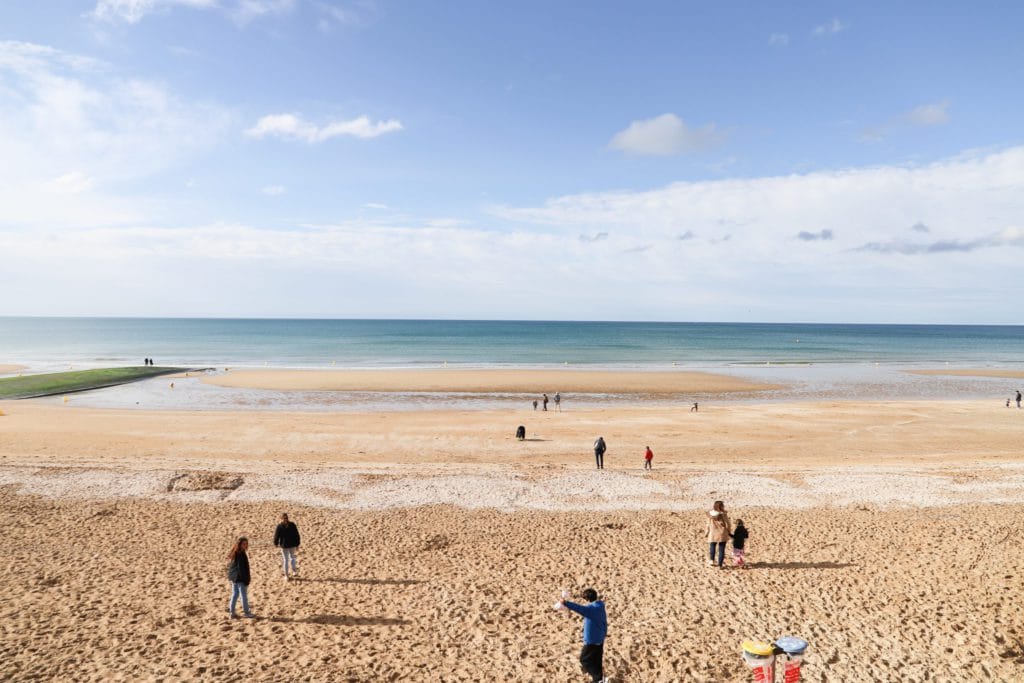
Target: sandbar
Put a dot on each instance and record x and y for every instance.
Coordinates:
(488, 381)
(967, 372)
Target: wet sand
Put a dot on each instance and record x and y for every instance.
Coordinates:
(977, 372)
(488, 381)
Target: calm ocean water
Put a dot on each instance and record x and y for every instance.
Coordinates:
(53, 342)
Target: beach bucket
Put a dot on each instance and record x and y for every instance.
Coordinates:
(760, 657)
(794, 648)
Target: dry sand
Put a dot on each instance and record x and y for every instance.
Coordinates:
(11, 369)
(488, 381)
(885, 533)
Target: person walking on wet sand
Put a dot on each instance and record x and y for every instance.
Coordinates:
(238, 575)
(599, 449)
(648, 457)
(558, 402)
(1018, 399)
(545, 401)
(595, 628)
(718, 532)
(286, 537)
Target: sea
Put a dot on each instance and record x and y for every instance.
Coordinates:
(851, 361)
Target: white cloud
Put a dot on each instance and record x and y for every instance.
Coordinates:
(242, 11)
(247, 10)
(70, 183)
(935, 114)
(71, 126)
(375, 205)
(132, 11)
(663, 136)
(352, 14)
(830, 28)
(273, 190)
(778, 39)
(292, 127)
(929, 114)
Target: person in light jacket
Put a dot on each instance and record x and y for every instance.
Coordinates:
(718, 532)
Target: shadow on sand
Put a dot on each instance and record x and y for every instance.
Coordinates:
(800, 565)
(365, 582)
(339, 620)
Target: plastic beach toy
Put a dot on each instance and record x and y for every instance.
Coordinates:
(791, 645)
(794, 648)
(758, 648)
(760, 657)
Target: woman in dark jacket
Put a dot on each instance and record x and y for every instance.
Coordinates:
(238, 575)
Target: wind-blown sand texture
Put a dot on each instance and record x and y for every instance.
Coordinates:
(487, 381)
(434, 543)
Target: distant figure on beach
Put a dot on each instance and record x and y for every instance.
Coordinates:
(286, 537)
(521, 432)
(718, 532)
(1018, 399)
(693, 408)
(648, 457)
(535, 404)
(739, 541)
(545, 401)
(595, 628)
(599, 449)
(238, 575)
(558, 401)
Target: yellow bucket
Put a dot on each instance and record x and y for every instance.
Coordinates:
(758, 648)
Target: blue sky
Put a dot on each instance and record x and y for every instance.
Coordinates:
(669, 161)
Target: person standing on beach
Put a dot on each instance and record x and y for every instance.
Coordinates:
(238, 575)
(286, 537)
(1018, 399)
(595, 628)
(599, 449)
(739, 542)
(648, 457)
(545, 401)
(718, 532)
(558, 401)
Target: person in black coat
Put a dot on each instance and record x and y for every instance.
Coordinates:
(599, 449)
(286, 537)
(238, 575)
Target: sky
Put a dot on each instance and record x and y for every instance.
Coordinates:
(677, 161)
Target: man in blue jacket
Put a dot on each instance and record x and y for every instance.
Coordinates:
(595, 627)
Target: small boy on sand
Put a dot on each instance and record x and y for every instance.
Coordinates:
(595, 627)
(739, 541)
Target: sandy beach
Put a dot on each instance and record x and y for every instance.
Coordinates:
(434, 543)
(491, 380)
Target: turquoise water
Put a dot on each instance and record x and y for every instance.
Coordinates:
(52, 342)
